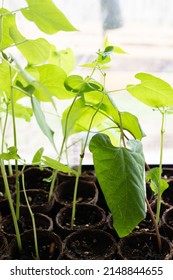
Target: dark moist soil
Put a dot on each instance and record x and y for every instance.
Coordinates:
(168, 194)
(143, 251)
(81, 220)
(40, 183)
(35, 199)
(1, 196)
(79, 199)
(8, 227)
(37, 179)
(170, 221)
(86, 249)
(46, 252)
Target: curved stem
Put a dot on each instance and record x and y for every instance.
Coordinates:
(32, 216)
(155, 225)
(160, 165)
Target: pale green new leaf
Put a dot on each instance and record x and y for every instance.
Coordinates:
(63, 58)
(47, 16)
(35, 51)
(152, 91)
(116, 49)
(10, 155)
(5, 78)
(37, 157)
(7, 20)
(120, 172)
(156, 183)
(56, 165)
(49, 82)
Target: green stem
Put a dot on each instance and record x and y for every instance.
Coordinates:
(81, 161)
(155, 225)
(55, 172)
(121, 129)
(15, 144)
(32, 216)
(162, 131)
(8, 194)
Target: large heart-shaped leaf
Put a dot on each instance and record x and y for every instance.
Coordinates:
(35, 51)
(152, 91)
(120, 172)
(47, 16)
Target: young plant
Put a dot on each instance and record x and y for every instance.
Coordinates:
(91, 109)
(120, 166)
(158, 94)
(31, 81)
(10, 155)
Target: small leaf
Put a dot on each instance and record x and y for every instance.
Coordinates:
(63, 58)
(11, 155)
(76, 83)
(37, 157)
(153, 177)
(152, 91)
(118, 50)
(56, 165)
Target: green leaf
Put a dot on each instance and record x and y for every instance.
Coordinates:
(116, 49)
(49, 82)
(35, 51)
(37, 157)
(27, 90)
(119, 50)
(12, 154)
(76, 83)
(64, 59)
(153, 177)
(42, 121)
(47, 16)
(56, 165)
(5, 78)
(128, 121)
(7, 20)
(152, 91)
(22, 111)
(120, 172)
(79, 117)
